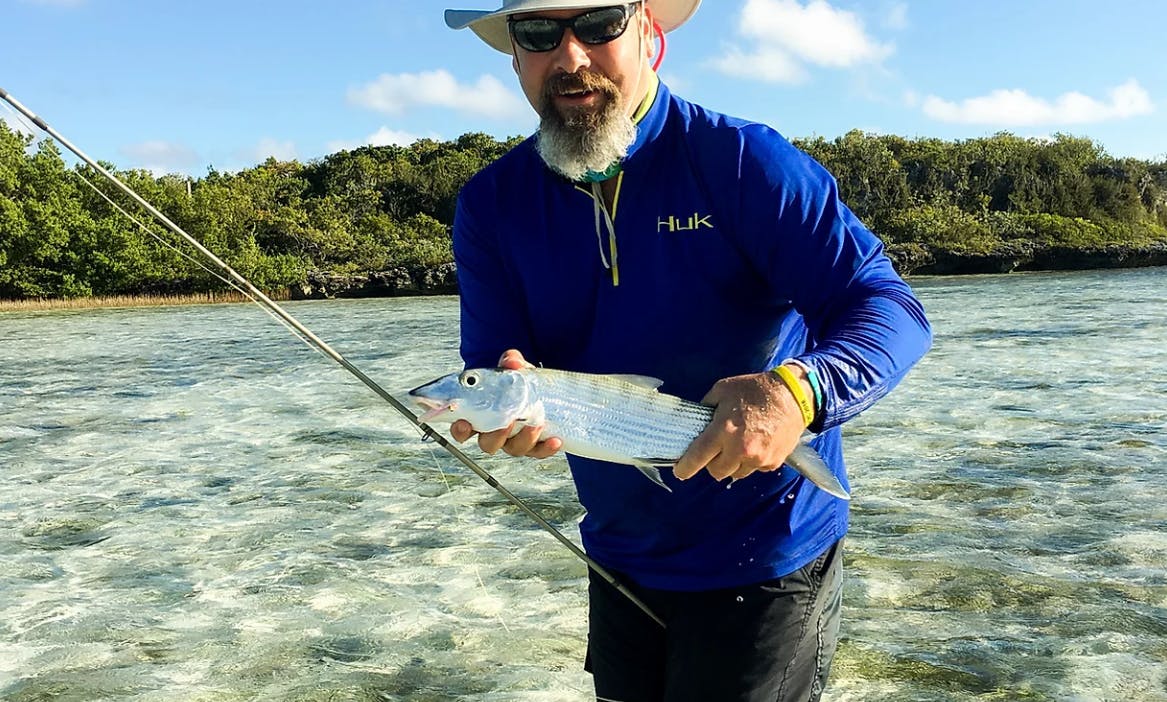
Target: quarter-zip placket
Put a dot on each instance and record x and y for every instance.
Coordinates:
(606, 220)
(609, 220)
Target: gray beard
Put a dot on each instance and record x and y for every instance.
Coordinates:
(576, 145)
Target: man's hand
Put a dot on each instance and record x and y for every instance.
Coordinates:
(756, 425)
(516, 441)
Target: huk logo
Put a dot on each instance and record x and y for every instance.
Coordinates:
(684, 224)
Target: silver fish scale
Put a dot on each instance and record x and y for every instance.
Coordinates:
(619, 416)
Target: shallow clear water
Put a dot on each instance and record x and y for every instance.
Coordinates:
(195, 506)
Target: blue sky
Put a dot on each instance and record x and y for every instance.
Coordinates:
(181, 87)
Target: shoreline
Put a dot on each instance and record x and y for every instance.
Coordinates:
(1024, 257)
(424, 284)
(118, 301)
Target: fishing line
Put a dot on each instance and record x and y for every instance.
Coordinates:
(193, 260)
(267, 303)
(161, 240)
(460, 512)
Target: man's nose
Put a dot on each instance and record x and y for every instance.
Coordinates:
(571, 54)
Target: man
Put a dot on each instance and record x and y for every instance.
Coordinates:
(639, 233)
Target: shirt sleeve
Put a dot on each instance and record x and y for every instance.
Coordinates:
(493, 316)
(867, 328)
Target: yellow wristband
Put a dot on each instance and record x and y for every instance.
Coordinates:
(804, 403)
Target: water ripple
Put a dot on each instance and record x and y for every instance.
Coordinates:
(195, 506)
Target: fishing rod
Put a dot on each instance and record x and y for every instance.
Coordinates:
(306, 334)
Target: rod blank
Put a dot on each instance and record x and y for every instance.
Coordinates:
(264, 301)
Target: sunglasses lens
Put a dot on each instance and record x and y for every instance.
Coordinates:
(595, 27)
(601, 26)
(537, 34)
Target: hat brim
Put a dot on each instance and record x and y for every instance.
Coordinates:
(491, 25)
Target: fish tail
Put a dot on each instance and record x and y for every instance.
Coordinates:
(809, 463)
(652, 472)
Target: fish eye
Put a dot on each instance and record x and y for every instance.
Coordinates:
(470, 379)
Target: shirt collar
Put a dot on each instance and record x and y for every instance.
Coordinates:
(642, 119)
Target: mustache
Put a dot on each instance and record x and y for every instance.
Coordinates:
(582, 80)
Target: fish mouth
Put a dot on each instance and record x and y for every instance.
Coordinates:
(433, 408)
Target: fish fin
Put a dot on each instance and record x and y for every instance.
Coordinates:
(642, 381)
(652, 472)
(809, 463)
(657, 463)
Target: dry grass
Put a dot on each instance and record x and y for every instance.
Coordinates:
(127, 301)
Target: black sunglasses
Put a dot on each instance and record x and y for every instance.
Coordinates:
(599, 26)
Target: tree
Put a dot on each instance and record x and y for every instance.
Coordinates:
(871, 180)
(377, 208)
(45, 227)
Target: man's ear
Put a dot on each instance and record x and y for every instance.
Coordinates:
(649, 30)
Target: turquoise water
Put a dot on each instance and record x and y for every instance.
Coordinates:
(196, 506)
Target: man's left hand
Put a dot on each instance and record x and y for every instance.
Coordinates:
(756, 425)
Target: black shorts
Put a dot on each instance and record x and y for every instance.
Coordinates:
(768, 641)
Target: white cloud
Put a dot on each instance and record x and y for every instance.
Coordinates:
(382, 137)
(397, 94)
(897, 16)
(161, 157)
(1017, 108)
(769, 64)
(817, 33)
(342, 145)
(270, 148)
(676, 82)
(784, 36)
(391, 137)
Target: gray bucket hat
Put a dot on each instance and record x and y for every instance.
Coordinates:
(491, 25)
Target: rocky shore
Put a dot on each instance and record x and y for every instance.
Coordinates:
(909, 259)
(1023, 256)
(395, 282)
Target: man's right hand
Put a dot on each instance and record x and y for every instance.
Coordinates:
(516, 441)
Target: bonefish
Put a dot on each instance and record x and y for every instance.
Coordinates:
(617, 418)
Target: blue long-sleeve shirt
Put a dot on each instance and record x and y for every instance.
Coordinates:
(732, 253)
